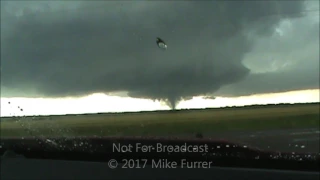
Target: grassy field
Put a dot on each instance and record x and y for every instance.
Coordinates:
(167, 122)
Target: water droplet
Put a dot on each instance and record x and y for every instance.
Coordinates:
(161, 44)
(51, 142)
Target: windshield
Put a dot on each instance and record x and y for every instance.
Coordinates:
(241, 71)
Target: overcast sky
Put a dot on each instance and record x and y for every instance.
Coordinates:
(223, 48)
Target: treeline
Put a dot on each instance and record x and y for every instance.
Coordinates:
(51, 117)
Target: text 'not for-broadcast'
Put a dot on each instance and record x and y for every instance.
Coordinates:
(159, 147)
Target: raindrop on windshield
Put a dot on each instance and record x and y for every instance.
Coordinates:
(161, 44)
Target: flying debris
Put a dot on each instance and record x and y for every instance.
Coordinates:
(161, 44)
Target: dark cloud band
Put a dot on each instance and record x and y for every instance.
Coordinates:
(109, 47)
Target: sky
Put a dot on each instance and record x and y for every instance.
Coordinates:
(101, 56)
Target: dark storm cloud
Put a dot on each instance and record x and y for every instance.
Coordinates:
(296, 55)
(110, 46)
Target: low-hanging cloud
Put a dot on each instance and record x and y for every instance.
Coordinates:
(282, 64)
(111, 46)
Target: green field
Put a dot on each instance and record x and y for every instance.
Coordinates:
(167, 122)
